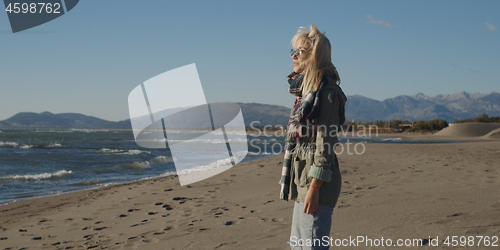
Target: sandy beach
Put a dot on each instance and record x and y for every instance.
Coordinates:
(394, 191)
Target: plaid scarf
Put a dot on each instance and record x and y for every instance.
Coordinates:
(304, 111)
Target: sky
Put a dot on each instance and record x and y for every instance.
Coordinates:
(89, 60)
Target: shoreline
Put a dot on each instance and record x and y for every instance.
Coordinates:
(438, 189)
(41, 196)
(15, 212)
(416, 137)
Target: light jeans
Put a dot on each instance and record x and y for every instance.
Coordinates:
(308, 229)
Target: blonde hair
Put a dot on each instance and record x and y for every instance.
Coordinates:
(320, 60)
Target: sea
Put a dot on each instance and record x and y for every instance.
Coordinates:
(37, 162)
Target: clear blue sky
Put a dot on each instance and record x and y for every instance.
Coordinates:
(88, 60)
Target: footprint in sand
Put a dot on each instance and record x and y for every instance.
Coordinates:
(342, 206)
(182, 199)
(153, 240)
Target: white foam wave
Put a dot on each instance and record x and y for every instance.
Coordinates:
(392, 139)
(8, 144)
(209, 140)
(217, 164)
(135, 152)
(54, 131)
(27, 146)
(89, 130)
(123, 151)
(264, 153)
(159, 160)
(59, 173)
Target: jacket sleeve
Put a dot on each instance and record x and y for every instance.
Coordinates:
(326, 135)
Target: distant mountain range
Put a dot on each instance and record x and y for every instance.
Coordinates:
(264, 114)
(359, 108)
(70, 120)
(421, 107)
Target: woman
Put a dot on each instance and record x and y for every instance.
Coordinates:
(311, 173)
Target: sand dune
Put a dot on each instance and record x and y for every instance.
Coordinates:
(493, 134)
(468, 129)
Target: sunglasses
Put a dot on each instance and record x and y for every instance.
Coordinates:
(297, 51)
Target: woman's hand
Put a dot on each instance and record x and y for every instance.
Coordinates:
(311, 201)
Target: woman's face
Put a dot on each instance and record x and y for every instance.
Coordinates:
(299, 59)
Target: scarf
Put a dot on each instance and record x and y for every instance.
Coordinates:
(304, 111)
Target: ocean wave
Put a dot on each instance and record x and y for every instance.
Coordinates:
(89, 130)
(158, 161)
(217, 164)
(122, 151)
(391, 139)
(53, 131)
(355, 137)
(9, 144)
(28, 146)
(264, 153)
(86, 183)
(54, 175)
(209, 140)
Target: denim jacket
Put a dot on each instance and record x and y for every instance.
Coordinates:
(314, 156)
